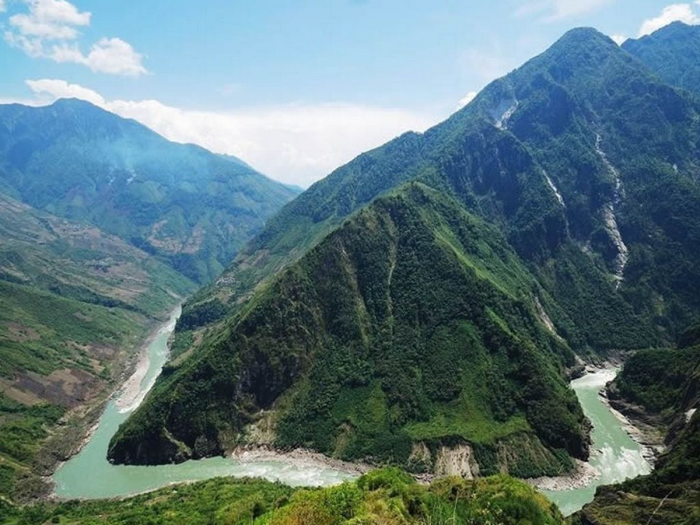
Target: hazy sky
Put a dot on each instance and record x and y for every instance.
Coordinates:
(296, 88)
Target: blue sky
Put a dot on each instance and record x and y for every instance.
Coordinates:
(294, 87)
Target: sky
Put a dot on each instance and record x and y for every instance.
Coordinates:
(296, 88)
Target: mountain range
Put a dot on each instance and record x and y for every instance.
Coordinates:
(553, 218)
(423, 307)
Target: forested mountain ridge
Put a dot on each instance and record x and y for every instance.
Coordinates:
(190, 207)
(564, 153)
(673, 53)
(578, 169)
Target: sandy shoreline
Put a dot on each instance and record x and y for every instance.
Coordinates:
(584, 474)
(651, 445)
(130, 395)
(301, 458)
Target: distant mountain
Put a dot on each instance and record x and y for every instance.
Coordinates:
(75, 304)
(554, 215)
(191, 207)
(673, 52)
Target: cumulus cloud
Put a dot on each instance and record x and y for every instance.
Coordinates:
(295, 143)
(50, 29)
(553, 10)
(466, 99)
(55, 89)
(669, 14)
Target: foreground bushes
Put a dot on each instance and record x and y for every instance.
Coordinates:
(387, 497)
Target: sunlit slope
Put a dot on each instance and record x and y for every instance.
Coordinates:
(189, 206)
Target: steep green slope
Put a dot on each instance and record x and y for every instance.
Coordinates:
(383, 343)
(191, 207)
(581, 165)
(389, 497)
(567, 156)
(74, 304)
(673, 52)
(668, 383)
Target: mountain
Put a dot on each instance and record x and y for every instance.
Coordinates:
(190, 207)
(549, 176)
(672, 52)
(75, 304)
(666, 384)
(384, 341)
(554, 215)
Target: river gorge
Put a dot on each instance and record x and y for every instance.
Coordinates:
(615, 455)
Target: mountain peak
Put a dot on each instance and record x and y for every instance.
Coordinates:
(74, 103)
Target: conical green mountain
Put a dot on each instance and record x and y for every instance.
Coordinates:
(191, 207)
(435, 289)
(413, 326)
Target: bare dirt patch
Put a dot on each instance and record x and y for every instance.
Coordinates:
(21, 334)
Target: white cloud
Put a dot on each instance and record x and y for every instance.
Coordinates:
(109, 55)
(466, 99)
(672, 13)
(50, 20)
(61, 89)
(2, 6)
(618, 39)
(295, 143)
(552, 10)
(50, 29)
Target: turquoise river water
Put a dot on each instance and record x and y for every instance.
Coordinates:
(89, 475)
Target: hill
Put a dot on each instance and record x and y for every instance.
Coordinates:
(387, 496)
(383, 342)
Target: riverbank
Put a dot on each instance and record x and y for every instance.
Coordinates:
(615, 454)
(644, 428)
(302, 458)
(69, 434)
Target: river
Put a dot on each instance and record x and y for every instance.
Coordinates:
(89, 475)
(615, 455)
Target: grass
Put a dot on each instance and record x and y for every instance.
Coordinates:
(387, 497)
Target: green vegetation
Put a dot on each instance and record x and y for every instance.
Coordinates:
(673, 52)
(74, 304)
(658, 379)
(393, 331)
(192, 208)
(390, 497)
